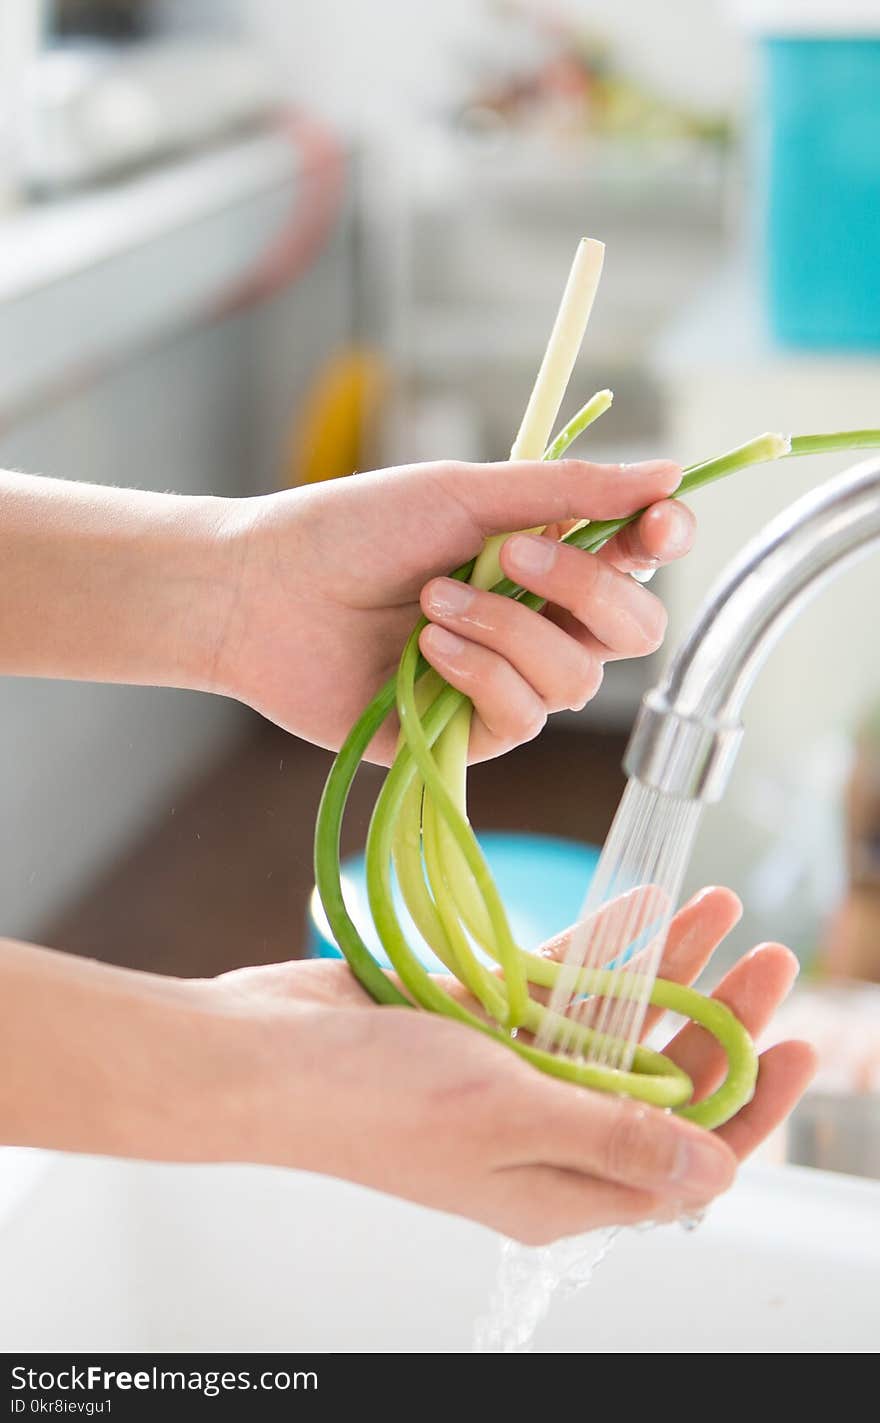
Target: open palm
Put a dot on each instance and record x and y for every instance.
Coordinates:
(422, 1107)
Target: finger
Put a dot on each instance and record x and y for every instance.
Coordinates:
(538, 1204)
(526, 494)
(561, 672)
(664, 533)
(619, 1140)
(752, 990)
(616, 609)
(508, 709)
(694, 935)
(784, 1073)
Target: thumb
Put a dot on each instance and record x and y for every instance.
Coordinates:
(522, 494)
(619, 1140)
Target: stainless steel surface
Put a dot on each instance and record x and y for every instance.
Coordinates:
(837, 1131)
(688, 729)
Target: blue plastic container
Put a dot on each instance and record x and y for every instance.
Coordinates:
(822, 204)
(542, 881)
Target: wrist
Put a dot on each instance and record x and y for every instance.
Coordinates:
(198, 1098)
(252, 545)
(187, 1074)
(196, 574)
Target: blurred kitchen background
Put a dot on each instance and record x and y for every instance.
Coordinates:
(247, 244)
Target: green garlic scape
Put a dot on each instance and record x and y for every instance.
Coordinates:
(420, 827)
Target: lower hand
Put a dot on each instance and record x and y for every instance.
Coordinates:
(427, 1109)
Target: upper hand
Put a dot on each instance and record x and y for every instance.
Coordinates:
(331, 579)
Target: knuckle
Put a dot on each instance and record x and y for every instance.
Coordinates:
(655, 622)
(573, 469)
(532, 722)
(637, 1148)
(592, 581)
(628, 543)
(515, 714)
(586, 681)
(592, 572)
(454, 471)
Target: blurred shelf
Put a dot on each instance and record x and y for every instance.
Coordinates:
(447, 339)
(85, 281)
(486, 232)
(682, 178)
(45, 243)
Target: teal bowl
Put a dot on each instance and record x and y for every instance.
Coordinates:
(542, 881)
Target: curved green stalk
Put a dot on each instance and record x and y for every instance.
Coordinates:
(738, 1086)
(653, 1078)
(407, 843)
(451, 756)
(449, 943)
(328, 826)
(485, 986)
(515, 979)
(657, 1080)
(406, 852)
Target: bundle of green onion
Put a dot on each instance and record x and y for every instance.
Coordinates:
(420, 830)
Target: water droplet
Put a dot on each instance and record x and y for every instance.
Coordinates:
(689, 1220)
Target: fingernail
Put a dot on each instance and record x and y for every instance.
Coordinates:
(530, 557)
(703, 1166)
(444, 644)
(448, 598)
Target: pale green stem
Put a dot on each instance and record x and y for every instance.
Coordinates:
(411, 727)
(451, 751)
(595, 406)
(552, 380)
(485, 986)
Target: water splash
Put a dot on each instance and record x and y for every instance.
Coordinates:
(623, 926)
(528, 1278)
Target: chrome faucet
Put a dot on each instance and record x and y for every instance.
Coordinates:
(688, 729)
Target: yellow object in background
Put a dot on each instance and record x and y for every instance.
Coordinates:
(336, 427)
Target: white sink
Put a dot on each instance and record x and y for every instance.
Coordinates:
(104, 1255)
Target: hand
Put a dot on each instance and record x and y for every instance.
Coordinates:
(428, 1109)
(331, 579)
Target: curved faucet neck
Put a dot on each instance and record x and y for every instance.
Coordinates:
(688, 729)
